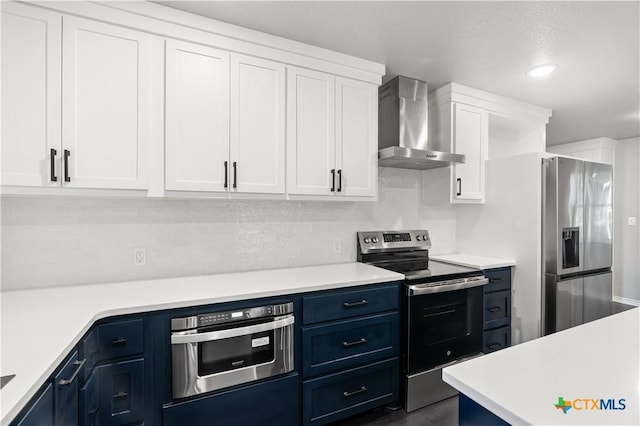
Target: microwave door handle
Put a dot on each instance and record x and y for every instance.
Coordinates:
(179, 339)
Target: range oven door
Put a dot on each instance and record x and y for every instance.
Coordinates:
(443, 327)
(211, 358)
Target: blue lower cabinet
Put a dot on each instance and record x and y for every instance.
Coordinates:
(89, 401)
(121, 393)
(65, 392)
(336, 396)
(41, 412)
(470, 413)
(345, 344)
(271, 403)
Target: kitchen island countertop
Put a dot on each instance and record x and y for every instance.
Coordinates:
(41, 326)
(523, 384)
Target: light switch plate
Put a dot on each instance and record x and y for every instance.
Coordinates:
(633, 221)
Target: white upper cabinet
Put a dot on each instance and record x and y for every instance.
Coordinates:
(470, 137)
(224, 121)
(31, 84)
(197, 117)
(106, 104)
(257, 125)
(357, 137)
(331, 135)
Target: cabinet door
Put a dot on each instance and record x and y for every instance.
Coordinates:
(197, 117)
(121, 393)
(357, 137)
(31, 84)
(41, 412)
(257, 125)
(310, 132)
(66, 392)
(470, 137)
(106, 104)
(89, 401)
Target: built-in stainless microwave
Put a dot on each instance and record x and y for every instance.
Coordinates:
(220, 349)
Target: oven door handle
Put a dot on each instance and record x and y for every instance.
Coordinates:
(418, 289)
(179, 339)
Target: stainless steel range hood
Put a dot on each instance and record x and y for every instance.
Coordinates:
(403, 130)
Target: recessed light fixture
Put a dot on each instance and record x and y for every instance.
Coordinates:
(541, 70)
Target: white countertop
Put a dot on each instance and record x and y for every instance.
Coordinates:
(40, 327)
(472, 261)
(597, 360)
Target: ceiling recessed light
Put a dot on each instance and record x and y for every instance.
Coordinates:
(541, 70)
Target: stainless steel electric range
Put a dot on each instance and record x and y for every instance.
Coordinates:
(442, 310)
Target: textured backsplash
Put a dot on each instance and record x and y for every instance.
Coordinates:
(56, 241)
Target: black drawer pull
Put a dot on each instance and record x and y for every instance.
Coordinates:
(357, 342)
(67, 153)
(495, 346)
(78, 364)
(354, 304)
(493, 280)
(459, 186)
(119, 341)
(356, 392)
(92, 411)
(120, 395)
(226, 174)
(237, 363)
(494, 309)
(333, 180)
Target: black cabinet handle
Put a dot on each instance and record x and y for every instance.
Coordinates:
(119, 341)
(237, 363)
(78, 364)
(226, 174)
(339, 180)
(120, 395)
(495, 346)
(354, 304)
(67, 153)
(53, 154)
(93, 411)
(355, 392)
(333, 180)
(494, 309)
(354, 343)
(235, 175)
(493, 280)
(459, 180)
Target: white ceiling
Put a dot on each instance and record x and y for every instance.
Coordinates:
(594, 92)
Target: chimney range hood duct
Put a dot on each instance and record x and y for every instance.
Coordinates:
(403, 130)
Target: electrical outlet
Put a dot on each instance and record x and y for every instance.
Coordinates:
(139, 256)
(337, 245)
(633, 221)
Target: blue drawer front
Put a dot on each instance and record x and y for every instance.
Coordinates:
(496, 339)
(119, 339)
(272, 403)
(121, 395)
(499, 279)
(340, 395)
(341, 345)
(350, 303)
(497, 309)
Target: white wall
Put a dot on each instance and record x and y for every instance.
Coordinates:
(49, 241)
(626, 286)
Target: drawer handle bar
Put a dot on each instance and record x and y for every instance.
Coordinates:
(356, 392)
(354, 304)
(78, 365)
(493, 280)
(179, 338)
(357, 342)
(494, 309)
(67, 153)
(120, 394)
(52, 166)
(495, 346)
(119, 341)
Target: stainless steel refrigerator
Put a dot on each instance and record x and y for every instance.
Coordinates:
(577, 242)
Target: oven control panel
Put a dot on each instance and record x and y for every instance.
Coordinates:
(376, 241)
(214, 318)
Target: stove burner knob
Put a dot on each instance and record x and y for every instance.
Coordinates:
(418, 238)
(367, 240)
(374, 240)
